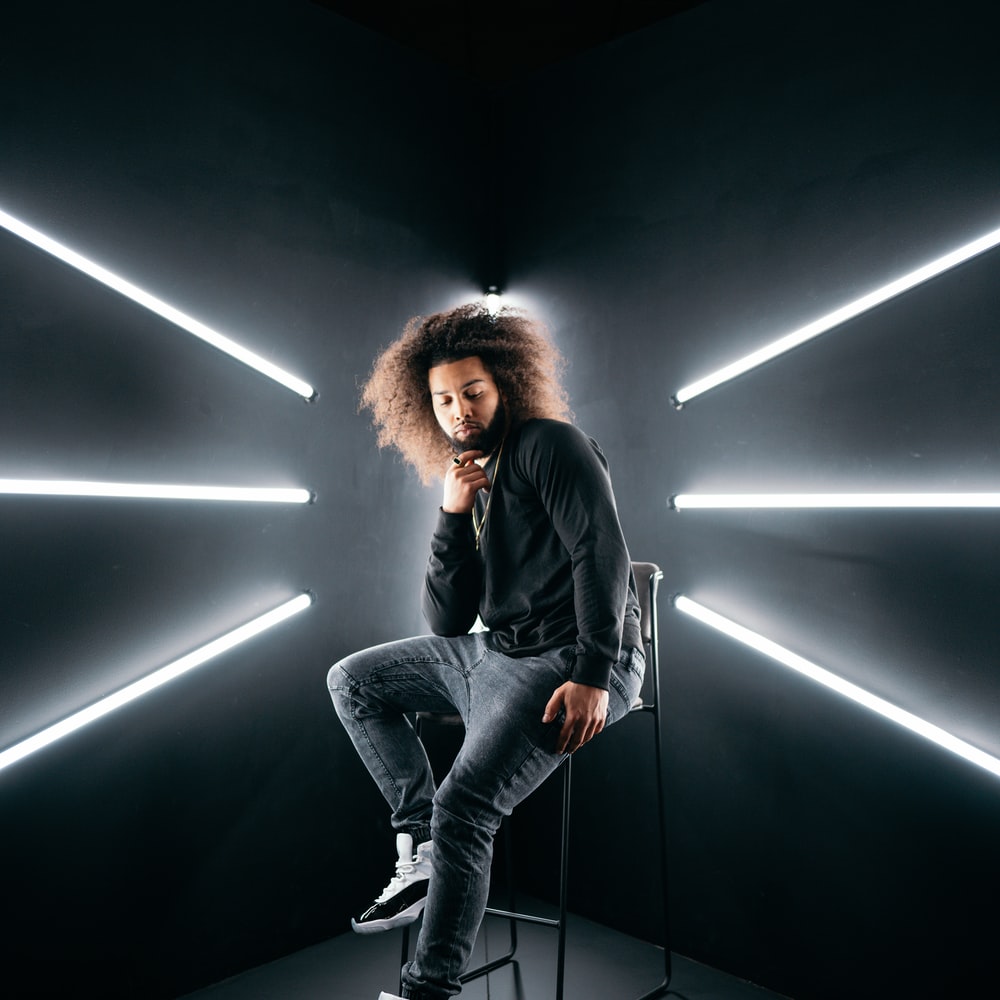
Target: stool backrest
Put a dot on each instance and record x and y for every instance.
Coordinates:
(647, 580)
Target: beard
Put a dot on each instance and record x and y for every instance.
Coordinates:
(485, 439)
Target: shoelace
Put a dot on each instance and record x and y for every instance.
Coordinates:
(403, 870)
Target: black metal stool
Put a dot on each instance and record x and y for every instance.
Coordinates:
(647, 579)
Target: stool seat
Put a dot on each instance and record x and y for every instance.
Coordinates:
(441, 718)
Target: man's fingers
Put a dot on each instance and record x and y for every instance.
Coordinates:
(462, 482)
(552, 706)
(567, 741)
(572, 735)
(470, 474)
(576, 733)
(582, 722)
(571, 738)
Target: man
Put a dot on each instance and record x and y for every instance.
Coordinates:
(528, 540)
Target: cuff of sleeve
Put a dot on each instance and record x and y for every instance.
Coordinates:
(452, 527)
(592, 670)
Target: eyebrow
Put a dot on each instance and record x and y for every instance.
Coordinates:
(446, 392)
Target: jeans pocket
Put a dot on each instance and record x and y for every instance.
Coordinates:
(626, 681)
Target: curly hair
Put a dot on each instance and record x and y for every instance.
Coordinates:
(526, 366)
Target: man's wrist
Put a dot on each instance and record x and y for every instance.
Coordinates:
(594, 671)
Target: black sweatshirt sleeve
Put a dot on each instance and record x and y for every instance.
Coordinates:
(454, 577)
(573, 483)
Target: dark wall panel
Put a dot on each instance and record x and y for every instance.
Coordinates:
(673, 199)
(677, 199)
(274, 171)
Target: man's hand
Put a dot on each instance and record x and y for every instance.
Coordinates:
(463, 480)
(586, 711)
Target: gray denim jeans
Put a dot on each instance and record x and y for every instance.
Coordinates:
(506, 754)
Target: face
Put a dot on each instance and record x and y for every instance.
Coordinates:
(468, 405)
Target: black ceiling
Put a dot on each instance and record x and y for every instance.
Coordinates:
(498, 41)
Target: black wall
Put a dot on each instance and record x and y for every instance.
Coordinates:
(284, 176)
(673, 200)
(679, 198)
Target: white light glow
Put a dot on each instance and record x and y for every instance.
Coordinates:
(153, 491)
(158, 306)
(788, 501)
(152, 681)
(493, 302)
(822, 676)
(838, 316)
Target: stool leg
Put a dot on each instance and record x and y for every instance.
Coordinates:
(405, 956)
(564, 878)
(664, 872)
(508, 834)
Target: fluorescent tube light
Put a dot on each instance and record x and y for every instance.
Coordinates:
(493, 302)
(822, 676)
(158, 306)
(838, 316)
(152, 681)
(152, 491)
(789, 501)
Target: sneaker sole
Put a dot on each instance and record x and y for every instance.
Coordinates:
(401, 919)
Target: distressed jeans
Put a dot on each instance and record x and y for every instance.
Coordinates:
(506, 754)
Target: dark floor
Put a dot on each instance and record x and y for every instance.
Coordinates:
(601, 964)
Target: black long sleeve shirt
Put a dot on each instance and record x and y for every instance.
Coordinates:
(552, 567)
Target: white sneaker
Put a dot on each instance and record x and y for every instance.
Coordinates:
(403, 898)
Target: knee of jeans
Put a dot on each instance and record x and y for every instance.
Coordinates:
(460, 844)
(339, 684)
(335, 677)
(461, 813)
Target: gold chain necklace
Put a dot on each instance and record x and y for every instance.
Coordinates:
(478, 525)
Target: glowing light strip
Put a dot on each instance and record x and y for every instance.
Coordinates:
(156, 305)
(774, 501)
(870, 701)
(152, 681)
(838, 316)
(153, 491)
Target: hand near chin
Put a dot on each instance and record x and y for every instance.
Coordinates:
(463, 480)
